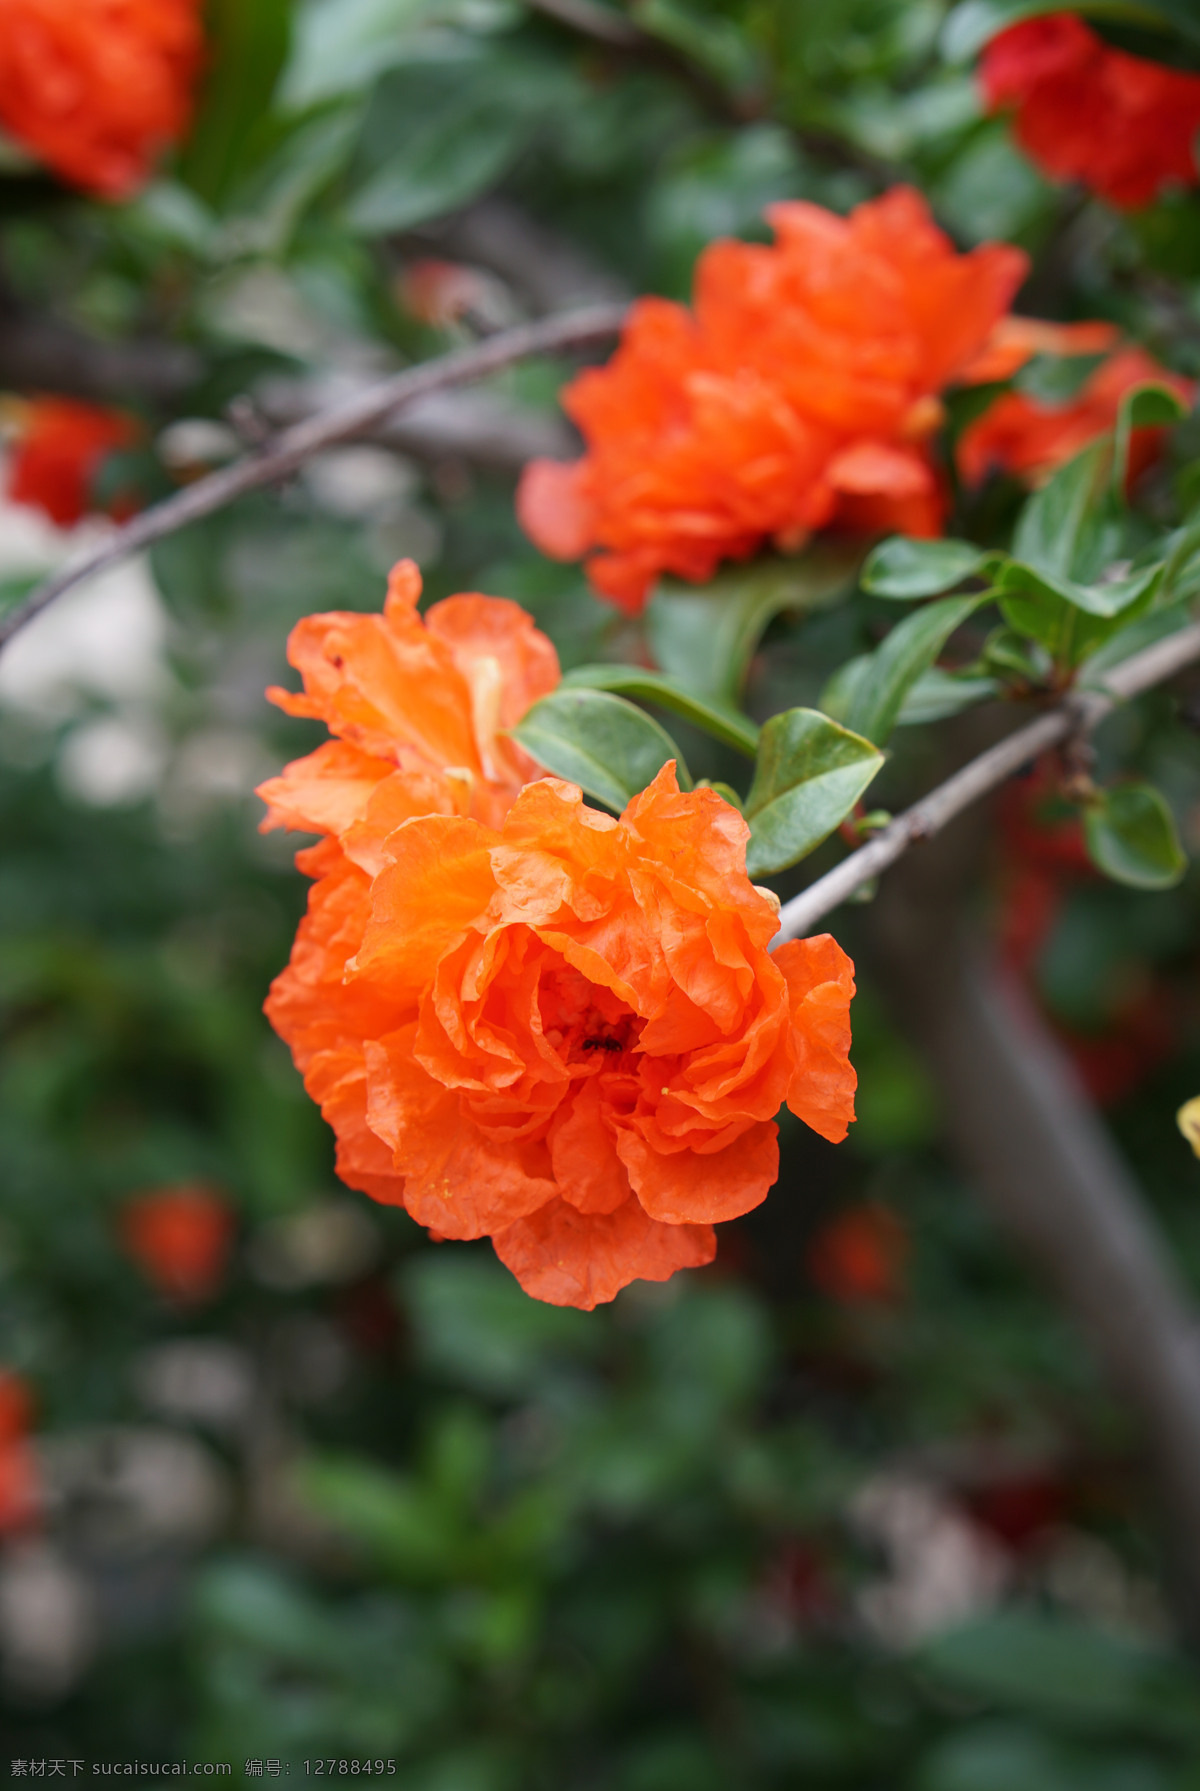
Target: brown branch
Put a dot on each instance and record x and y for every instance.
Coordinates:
(1077, 715)
(282, 457)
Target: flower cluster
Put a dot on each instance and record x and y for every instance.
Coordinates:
(97, 89)
(60, 446)
(800, 392)
(525, 1019)
(1123, 126)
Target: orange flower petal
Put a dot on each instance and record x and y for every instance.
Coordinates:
(569, 1258)
(690, 1187)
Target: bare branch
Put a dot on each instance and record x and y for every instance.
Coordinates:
(357, 414)
(1077, 715)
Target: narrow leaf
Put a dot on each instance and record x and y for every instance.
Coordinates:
(810, 774)
(609, 747)
(704, 637)
(1051, 525)
(723, 723)
(936, 695)
(1131, 837)
(901, 568)
(899, 661)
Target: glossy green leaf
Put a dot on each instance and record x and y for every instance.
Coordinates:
(723, 723)
(810, 774)
(880, 688)
(1131, 837)
(440, 168)
(1052, 525)
(247, 46)
(936, 695)
(610, 748)
(704, 636)
(1107, 599)
(902, 568)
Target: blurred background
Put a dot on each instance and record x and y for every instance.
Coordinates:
(279, 1478)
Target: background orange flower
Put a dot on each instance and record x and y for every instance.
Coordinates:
(800, 392)
(1123, 126)
(98, 88)
(573, 1037)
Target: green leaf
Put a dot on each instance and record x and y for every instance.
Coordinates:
(890, 672)
(810, 774)
(440, 168)
(247, 46)
(1106, 600)
(1144, 407)
(610, 748)
(704, 637)
(1062, 1671)
(1051, 527)
(901, 568)
(723, 723)
(1131, 837)
(16, 587)
(938, 694)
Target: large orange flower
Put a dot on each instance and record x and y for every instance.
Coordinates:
(61, 444)
(574, 1037)
(1124, 127)
(522, 1018)
(800, 392)
(1030, 438)
(98, 88)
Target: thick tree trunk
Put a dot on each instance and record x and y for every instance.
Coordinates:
(1033, 1146)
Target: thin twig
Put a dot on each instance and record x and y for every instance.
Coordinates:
(281, 457)
(1077, 715)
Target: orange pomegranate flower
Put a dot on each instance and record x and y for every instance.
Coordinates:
(572, 1036)
(180, 1237)
(60, 447)
(800, 392)
(1031, 438)
(98, 88)
(1124, 127)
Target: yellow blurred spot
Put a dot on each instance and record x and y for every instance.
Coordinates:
(1188, 1121)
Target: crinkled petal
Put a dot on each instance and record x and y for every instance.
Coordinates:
(569, 1258)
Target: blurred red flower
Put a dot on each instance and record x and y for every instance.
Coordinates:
(60, 447)
(800, 392)
(1124, 127)
(180, 1237)
(98, 88)
(1031, 438)
(858, 1258)
(20, 1486)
